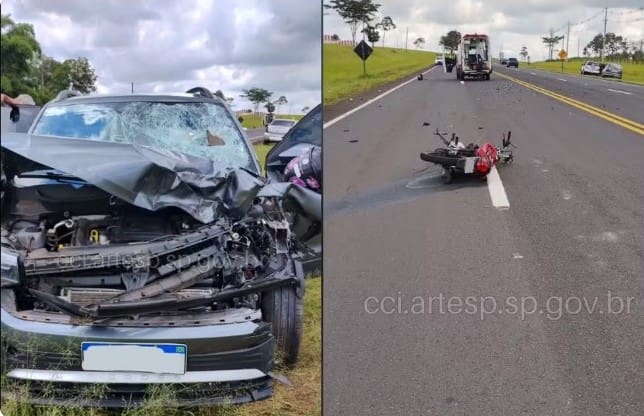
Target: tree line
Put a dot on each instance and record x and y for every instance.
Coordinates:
(613, 47)
(26, 70)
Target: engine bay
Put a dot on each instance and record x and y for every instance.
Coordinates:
(83, 248)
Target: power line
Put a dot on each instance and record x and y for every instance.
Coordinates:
(624, 12)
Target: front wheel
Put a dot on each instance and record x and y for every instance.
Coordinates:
(283, 308)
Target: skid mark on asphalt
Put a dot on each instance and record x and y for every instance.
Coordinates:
(399, 192)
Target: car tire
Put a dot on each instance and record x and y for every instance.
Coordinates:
(487, 77)
(284, 309)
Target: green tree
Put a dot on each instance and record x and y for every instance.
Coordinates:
(18, 49)
(419, 42)
(257, 96)
(524, 52)
(550, 42)
(386, 24)
(305, 109)
(280, 102)
(450, 41)
(372, 34)
(80, 75)
(354, 12)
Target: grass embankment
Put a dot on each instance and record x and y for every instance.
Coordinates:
(254, 121)
(303, 399)
(631, 72)
(343, 76)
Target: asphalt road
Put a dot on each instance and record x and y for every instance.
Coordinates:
(611, 95)
(395, 237)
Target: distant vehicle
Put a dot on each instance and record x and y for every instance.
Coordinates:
(513, 62)
(590, 68)
(612, 70)
(473, 58)
(504, 61)
(438, 61)
(277, 129)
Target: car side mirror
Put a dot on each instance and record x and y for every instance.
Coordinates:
(15, 114)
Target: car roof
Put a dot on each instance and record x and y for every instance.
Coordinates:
(167, 97)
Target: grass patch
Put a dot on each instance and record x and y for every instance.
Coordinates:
(262, 150)
(631, 72)
(255, 121)
(342, 70)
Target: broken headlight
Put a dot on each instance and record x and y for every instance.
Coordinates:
(12, 268)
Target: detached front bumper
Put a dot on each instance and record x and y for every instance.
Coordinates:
(226, 363)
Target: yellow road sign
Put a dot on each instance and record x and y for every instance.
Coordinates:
(563, 54)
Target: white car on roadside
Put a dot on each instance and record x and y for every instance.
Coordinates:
(277, 129)
(590, 68)
(438, 61)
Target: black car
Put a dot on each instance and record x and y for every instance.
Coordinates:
(141, 247)
(513, 62)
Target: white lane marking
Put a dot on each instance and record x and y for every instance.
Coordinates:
(497, 191)
(620, 91)
(373, 100)
(517, 255)
(533, 73)
(561, 79)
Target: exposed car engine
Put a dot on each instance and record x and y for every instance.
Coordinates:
(98, 249)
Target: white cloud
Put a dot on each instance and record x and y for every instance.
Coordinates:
(173, 45)
(511, 24)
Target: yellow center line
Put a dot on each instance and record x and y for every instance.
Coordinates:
(598, 112)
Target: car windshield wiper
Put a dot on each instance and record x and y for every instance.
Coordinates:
(51, 174)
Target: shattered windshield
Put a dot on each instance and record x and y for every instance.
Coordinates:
(196, 128)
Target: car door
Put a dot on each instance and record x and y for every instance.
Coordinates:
(26, 114)
(302, 136)
(305, 133)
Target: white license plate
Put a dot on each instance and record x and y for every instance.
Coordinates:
(469, 164)
(147, 358)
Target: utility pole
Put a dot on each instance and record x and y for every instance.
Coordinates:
(578, 43)
(604, 37)
(132, 88)
(406, 38)
(568, 41)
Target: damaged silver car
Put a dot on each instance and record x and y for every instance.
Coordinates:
(141, 246)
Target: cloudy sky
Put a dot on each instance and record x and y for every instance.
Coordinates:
(511, 24)
(174, 45)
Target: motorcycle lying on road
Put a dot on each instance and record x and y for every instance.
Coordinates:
(458, 159)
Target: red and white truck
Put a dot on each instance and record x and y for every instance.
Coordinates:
(473, 57)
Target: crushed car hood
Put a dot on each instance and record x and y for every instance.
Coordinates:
(154, 179)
